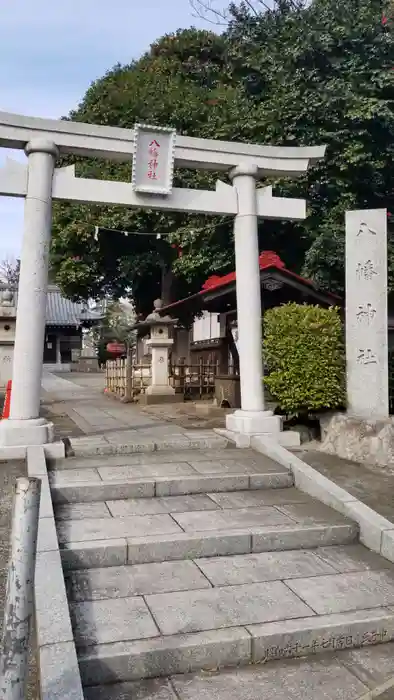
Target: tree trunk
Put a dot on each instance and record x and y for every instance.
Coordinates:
(167, 280)
(232, 347)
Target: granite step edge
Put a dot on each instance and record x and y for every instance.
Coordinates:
(234, 646)
(149, 487)
(98, 445)
(154, 457)
(185, 546)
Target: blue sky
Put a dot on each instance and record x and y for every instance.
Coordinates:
(51, 51)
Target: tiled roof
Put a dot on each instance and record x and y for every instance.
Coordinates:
(63, 312)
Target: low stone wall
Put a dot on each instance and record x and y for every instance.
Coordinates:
(370, 441)
(58, 670)
(86, 365)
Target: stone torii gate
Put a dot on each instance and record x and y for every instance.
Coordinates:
(152, 152)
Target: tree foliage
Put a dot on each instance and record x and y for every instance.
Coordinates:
(9, 271)
(322, 74)
(181, 82)
(304, 352)
(221, 14)
(298, 74)
(116, 325)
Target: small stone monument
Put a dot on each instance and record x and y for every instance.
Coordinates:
(160, 342)
(7, 334)
(87, 357)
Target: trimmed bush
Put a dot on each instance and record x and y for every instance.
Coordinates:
(305, 356)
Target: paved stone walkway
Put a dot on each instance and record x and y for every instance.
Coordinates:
(184, 555)
(372, 485)
(345, 677)
(80, 396)
(81, 409)
(92, 385)
(177, 561)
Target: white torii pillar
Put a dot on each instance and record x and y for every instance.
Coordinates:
(252, 418)
(24, 426)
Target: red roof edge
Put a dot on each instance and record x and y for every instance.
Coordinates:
(266, 259)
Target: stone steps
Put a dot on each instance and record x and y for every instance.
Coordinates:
(149, 437)
(136, 550)
(362, 674)
(231, 647)
(181, 617)
(150, 475)
(185, 455)
(75, 491)
(201, 559)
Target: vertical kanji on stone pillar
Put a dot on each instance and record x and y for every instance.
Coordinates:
(366, 314)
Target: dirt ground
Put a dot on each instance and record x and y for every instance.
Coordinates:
(64, 425)
(190, 414)
(9, 472)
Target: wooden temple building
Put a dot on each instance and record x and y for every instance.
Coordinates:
(214, 309)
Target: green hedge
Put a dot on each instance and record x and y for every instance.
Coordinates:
(305, 356)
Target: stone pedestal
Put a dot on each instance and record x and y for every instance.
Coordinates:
(160, 343)
(254, 422)
(7, 335)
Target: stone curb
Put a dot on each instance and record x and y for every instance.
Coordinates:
(380, 691)
(376, 532)
(53, 450)
(59, 675)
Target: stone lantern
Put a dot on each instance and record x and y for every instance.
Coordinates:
(7, 334)
(160, 343)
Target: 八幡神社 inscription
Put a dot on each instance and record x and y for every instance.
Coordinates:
(366, 313)
(366, 357)
(364, 228)
(366, 270)
(153, 159)
(153, 162)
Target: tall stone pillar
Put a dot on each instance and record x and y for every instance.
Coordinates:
(252, 418)
(24, 426)
(366, 314)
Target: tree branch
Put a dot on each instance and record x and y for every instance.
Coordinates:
(9, 271)
(206, 10)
